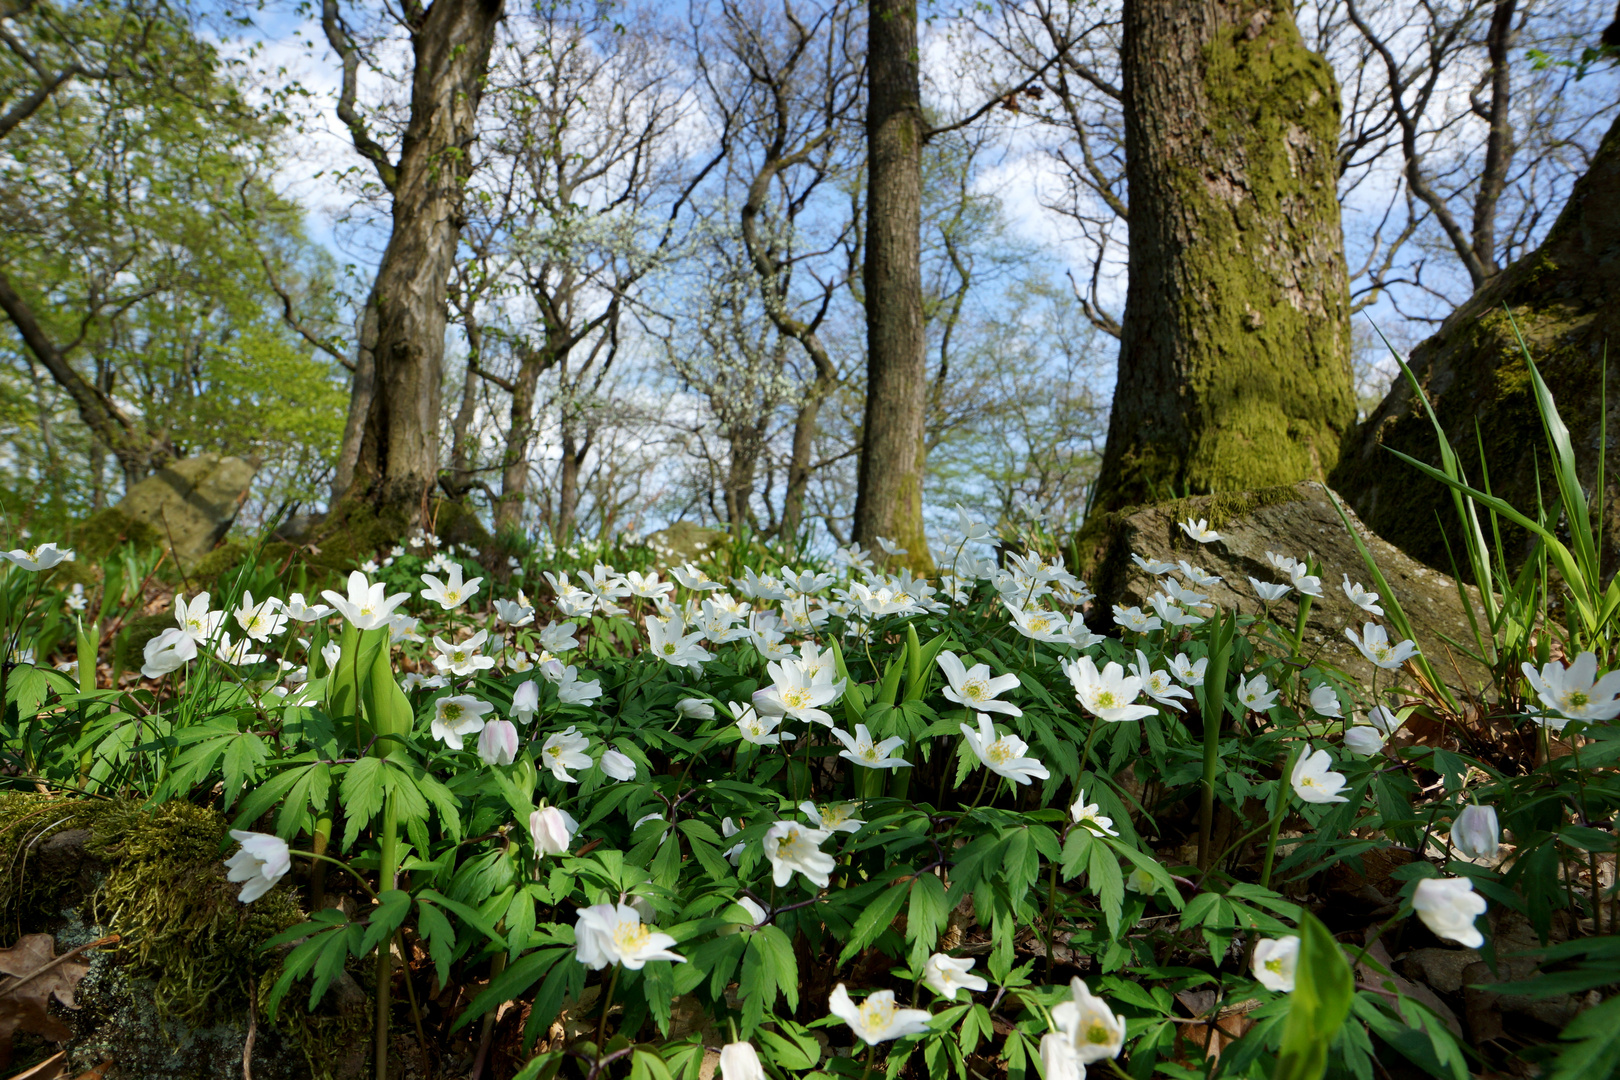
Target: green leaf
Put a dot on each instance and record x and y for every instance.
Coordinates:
(392, 907)
(361, 793)
(1323, 990)
(874, 920)
(1591, 1044)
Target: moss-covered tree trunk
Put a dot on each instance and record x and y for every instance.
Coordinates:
(1563, 298)
(1234, 367)
(889, 499)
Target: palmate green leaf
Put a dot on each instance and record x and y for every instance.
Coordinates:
(1107, 883)
(875, 919)
(926, 917)
(361, 795)
(390, 911)
(1591, 1044)
(1318, 1006)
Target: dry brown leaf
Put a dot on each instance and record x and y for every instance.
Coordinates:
(37, 975)
(1229, 1024)
(49, 1069)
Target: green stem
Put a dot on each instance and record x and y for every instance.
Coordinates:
(1051, 920)
(1284, 783)
(1213, 714)
(388, 865)
(607, 1003)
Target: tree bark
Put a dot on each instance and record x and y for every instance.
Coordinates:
(398, 457)
(889, 499)
(1234, 367)
(515, 469)
(573, 455)
(361, 386)
(1561, 298)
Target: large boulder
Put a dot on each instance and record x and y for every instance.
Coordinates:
(190, 503)
(1561, 297)
(1297, 520)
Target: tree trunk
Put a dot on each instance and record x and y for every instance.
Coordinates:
(889, 499)
(515, 466)
(398, 457)
(1561, 296)
(567, 486)
(799, 465)
(461, 474)
(1234, 363)
(361, 386)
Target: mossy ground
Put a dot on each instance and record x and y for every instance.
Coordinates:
(174, 994)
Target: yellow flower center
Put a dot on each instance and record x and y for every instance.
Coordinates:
(631, 937)
(451, 595)
(877, 1015)
(998, 752)
(796, 697)
(1097, 1034)
(1107, 700)
(834, 816)
(669, 648)
(1274, 966)
(1039, 624)
(452, 713)
(1576, 699)
(976, 689)
(869, 752)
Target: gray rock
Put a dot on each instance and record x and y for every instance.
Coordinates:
(192, 502)
(1295, 521)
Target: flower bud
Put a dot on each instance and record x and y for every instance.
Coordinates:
(498, 743)
(739, 1061)
(1475, 833)
(552, 830)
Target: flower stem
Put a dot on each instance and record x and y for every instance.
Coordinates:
(607, 1003)
(1284, 782)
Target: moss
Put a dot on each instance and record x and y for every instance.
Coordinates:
(219, 563)
(173, 997)
(103, 532)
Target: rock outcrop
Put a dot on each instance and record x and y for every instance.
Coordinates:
(190, 503)
(1296, 520)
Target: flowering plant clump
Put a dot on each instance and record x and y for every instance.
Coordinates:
(843, 813)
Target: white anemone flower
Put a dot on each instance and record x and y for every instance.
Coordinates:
(1374, 645)
(1108, 694)
(1157, 684)
(673, 645)
(1095, 1030)
(1268, 592)
(1575, 693)
(974, 687)
(948, 977)
(878, 1018)
(796, 694)
(558, 637)
(525, 701)
(552, 830)
(195, 618)
(1136, 620)
(1086, 814)
(1325, 701)
(260, 621)
(834, 817)
(456, 717)
(1152, 566)
(1448, 907)
(1039, 625)
(614, 934)
(498, 743)
(365, 607)
(168, 652)
(862, 749)
(263, 861)
(1364, 739)
(1314, 779)
(1190, 672)
(1275, 960)
(1306, 582)
(1256, 694)
(758, 730)
(1198, 576)
(1366, 601)
(791, 847)
(1199, 530)
(1003, 755)
(465, 658)
(1475, 834)
(739, 1060)
(564, 750)
(39, 558)
(618, 766)
(299, 609)
(513, 613)
(452, 592)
